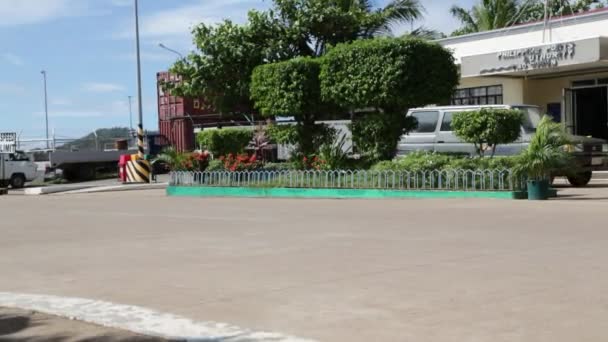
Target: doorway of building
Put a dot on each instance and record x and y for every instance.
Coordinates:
(587, 111)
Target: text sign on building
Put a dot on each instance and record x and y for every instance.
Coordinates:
(8, 142)
(533, 58)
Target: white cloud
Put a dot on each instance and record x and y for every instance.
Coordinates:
(99, 87)
(33, 11)
(11, 59)
(177, 22)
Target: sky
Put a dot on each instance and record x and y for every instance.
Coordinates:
(87, 49)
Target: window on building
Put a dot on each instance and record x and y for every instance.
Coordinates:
(427, 121)
(197, 104)
(478, 96)
(602, 81)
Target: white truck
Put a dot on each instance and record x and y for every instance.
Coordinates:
(16, 169)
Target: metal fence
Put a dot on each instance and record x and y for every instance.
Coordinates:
(461, 180)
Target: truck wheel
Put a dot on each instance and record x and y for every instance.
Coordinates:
(580, 179)
(17, 181)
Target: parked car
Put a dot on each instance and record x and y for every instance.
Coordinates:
(434, 133)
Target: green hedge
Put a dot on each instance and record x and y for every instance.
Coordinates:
(425, 161)
(224, 141)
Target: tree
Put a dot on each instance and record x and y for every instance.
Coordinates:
(495, 14)
(535, 9)
(292, 88)
(486, 15)
(487, 128)
(383, 78)
(220, 70)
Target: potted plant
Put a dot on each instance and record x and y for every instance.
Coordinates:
(545, 155)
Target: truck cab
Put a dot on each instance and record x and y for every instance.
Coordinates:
(16, 169)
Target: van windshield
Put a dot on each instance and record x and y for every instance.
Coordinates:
(531, 118)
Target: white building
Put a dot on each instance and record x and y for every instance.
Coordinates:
(561, 66)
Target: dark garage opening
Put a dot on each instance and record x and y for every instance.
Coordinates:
(591, 106)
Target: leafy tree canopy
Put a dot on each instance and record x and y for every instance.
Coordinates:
(227, 53)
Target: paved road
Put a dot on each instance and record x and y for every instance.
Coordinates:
(331, 270)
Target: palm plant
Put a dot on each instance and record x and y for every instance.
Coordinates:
(545, 154)
(171, 157)
(486, 15)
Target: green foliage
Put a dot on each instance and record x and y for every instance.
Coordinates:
(225, 141)
(216, 165)
(495, 14)
(334, 154)
(282, 134)
(376, 134)
(389, 76)
(287, 88)
(427, 161)
(220, 70)
(279, 166)
(291, 88)
(546, 154)
(486, 128)
(183, 161)
(392, 74)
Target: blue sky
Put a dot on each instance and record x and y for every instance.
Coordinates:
(87, 48)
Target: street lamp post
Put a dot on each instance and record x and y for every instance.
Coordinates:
(140, 127)
(46, 109)
(163, 46)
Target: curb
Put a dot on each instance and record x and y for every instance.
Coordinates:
(114, 188)
(186, 191)
(137, 319)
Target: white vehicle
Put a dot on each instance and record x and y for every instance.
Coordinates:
(16, 169)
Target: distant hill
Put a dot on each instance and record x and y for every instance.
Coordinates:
(105, 136)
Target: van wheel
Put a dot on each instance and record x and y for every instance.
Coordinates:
(580, 180)
(17, 181)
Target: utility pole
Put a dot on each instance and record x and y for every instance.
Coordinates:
(46, 109)
(545, 20)
(140, 126)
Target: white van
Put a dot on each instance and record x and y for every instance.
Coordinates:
(434, 134)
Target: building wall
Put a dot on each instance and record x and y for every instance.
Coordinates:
(512, 88)
(541, 92)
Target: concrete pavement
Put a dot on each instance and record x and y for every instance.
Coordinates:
(330, 270)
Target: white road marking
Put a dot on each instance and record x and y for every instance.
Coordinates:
(137, 319)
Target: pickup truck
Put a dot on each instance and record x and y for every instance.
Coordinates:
(16, 169)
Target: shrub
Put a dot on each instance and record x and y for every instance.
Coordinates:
(388, 76)
(279, 166)
(291, 88)
(428, 161)
(282, 134)
(216, 165)
(241, 162)
(176, 161)
(487, 128)
(226, 140)
(376, 134)
(545, 155)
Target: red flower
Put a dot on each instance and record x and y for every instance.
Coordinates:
(305, 159)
